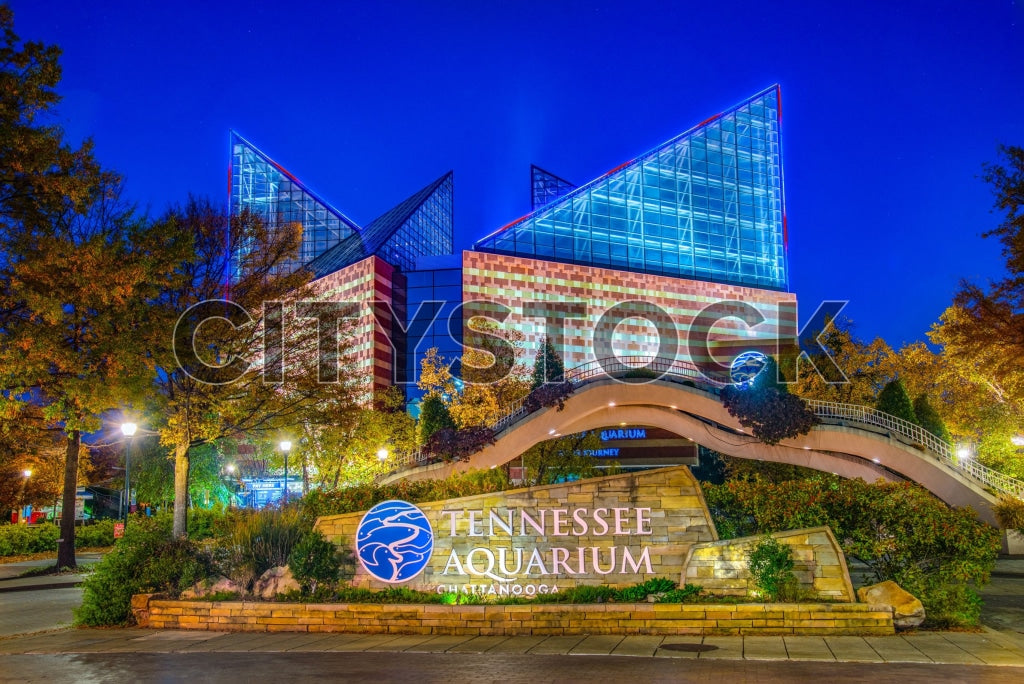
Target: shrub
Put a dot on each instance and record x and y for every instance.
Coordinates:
(459, 444)
(685, 594)
(259, 541)
(549, 394)
(316, 562)
(640, 592)
(147, 559)
(899, 530)
(771, 567)
(641, 373)
(1009, 512)
(209, 523)
(772, 414)
(100, 533)
(18, 540)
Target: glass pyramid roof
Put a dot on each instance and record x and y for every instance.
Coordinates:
(259, 183)
(421, 225)
(546, 187)
(706, 205)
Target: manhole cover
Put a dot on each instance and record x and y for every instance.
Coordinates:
(689, 648)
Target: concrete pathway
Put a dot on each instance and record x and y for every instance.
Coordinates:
(989, 647)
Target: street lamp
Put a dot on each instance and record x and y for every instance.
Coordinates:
(382, 454)
(27, 473)
(286, 446)
(128, 430)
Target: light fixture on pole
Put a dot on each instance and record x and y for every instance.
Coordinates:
(382, 454)
(27, 473)
(128, 430)
(286, 446)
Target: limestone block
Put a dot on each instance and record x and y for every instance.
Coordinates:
(907, 610)
(275, 581)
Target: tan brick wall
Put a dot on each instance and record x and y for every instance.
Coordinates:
(678, 518)
(818, 564)
(498, 620)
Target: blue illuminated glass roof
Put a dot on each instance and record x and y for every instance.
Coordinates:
(707, 205)
(259, 183)
(419, 226)
(546, 187)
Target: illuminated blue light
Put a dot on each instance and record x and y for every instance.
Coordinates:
(706, 205)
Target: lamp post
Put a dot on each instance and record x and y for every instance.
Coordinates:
(382, 454)
(286, 446)
(24, 485)
(128, 430)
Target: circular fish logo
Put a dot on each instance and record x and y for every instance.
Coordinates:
(394, 541)
(746, 366)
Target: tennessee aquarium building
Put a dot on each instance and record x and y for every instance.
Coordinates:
(699, 220)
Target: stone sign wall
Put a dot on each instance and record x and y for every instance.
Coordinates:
(616, 530)
(818, 564)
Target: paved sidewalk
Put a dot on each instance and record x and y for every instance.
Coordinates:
(960, 648)
(12, 572)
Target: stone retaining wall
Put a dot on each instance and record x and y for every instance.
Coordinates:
(721, 568)
(511, 620)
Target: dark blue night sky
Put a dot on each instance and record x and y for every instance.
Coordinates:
(889, 110)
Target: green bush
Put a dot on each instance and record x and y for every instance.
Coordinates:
(209, 523)
(259, 541)
(99, 533)
(1009, 512)
(686, 594)
(18, 540)
(771, 567)
(146, 560)
(639, 592)
(316, 562)
(641, 373)
(939, 554)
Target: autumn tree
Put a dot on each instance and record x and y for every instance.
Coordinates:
(866, 365)
(237, 355)
(74, 262)
(346, 453)
(570, 457)
(982, 334)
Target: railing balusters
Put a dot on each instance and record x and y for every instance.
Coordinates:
(585, 373)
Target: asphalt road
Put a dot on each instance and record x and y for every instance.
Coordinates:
(377, 668)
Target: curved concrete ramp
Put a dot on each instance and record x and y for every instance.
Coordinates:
(847, 450)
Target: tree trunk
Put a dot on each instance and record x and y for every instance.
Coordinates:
(66, 546)
(181, 465)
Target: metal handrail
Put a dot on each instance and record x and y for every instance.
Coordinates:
(672, 368)
(917, 435)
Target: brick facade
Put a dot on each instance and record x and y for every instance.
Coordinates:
(517, 281)
(368, 284)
